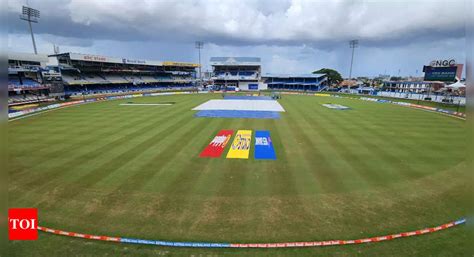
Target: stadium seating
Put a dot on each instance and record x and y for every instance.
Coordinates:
(96, 79)
(149, 79)
(26, 98)
(164, 78)
(74, 79)
(24, 83)
(13, 82)
(129, 88)
(246, 73)
(116, 79)
(236, 75)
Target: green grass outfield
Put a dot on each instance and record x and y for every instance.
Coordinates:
(134, 171)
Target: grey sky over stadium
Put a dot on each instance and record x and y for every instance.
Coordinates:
(396, 37)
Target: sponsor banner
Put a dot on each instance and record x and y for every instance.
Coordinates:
(320, 94)
(24, 107)
(240, 147)
(15, 114)
(217, 145)
(253, 86)
(49, 107)
(182, 64)
(423, 107)
(53, 106)
(402, 103)
(263, 146)
(440, 73)
(70, 103)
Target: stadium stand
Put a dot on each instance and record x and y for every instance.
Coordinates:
(236, 72)
(149, 79)
(74, 79)
(305, 82)
(26, 99)
(93, 74)
(29, 80)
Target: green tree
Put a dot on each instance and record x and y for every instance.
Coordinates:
(333, 76)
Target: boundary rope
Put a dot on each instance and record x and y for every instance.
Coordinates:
(254, 245)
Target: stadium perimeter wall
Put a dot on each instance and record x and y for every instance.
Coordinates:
(89, 100)
(19, 114)
(414, 96)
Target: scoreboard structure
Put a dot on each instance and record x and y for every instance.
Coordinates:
(443, 70)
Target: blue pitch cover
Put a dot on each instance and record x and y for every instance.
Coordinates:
(238, 114)
(264, 146)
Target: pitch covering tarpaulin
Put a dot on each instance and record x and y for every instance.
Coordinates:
(238, 114)
(240, 105)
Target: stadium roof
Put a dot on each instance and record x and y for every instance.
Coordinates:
(270, 75)
(235, 61)
(106, 59)
(30, 57)
(456, 85)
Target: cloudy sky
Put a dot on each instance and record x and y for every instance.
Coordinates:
(291, 36)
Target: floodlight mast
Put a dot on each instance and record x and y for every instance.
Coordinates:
(30, 15)
(352, 44)
(200, 45)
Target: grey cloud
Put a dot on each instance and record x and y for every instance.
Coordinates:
(251, 22)
(291, 36)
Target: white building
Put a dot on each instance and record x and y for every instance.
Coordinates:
(243, 73)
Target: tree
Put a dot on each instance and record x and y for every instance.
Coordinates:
(332, 75)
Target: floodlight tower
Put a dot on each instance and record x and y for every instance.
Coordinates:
(352, 44)
(30, 15)
(199, 45)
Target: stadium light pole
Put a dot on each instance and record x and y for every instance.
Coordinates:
(199, 45)
(30, 15)
(352, 44)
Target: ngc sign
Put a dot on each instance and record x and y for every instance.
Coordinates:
(442, 70)
(95, 58)
(443, 63)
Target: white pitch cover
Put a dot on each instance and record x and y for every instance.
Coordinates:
(241, 105)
